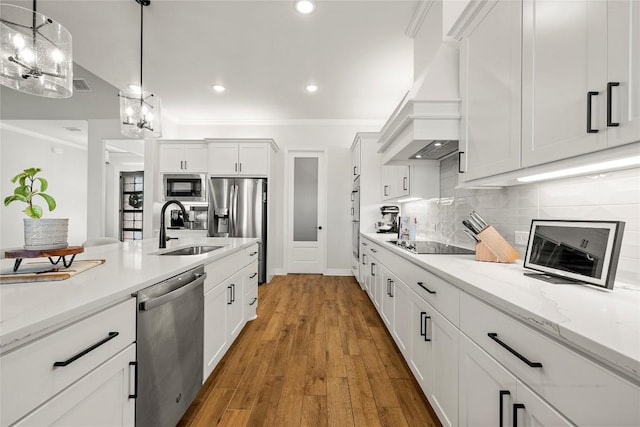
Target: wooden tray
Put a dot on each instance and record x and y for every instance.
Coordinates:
(45, 272)
(20, 254)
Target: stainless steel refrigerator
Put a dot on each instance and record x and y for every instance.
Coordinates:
(238, 208)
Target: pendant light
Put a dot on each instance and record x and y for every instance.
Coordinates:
(36, 53)
(140, 109)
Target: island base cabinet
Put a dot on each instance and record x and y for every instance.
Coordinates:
(215, 328)
(103, 397)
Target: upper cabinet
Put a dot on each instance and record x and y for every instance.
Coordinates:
(402, 183)
(355, 159)
(182, 157)
(227, 158)
(490, 55)
(580, 77)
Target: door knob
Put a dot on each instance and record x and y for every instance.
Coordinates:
(320, 227)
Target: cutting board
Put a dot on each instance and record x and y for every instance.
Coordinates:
(45, 271)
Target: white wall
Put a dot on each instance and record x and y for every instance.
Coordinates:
(66, 173)
(428, 38)
(336, 137)
(613, 196)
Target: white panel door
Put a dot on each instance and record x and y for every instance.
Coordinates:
(564, 66)
(170, 158)
(531, 411)
(195, 157)
(305, 212)
(445, 342)
(253, 159)
(223, 158)
(215, 327)
(402, 316)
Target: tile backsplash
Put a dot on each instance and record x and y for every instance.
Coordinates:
(611, 196)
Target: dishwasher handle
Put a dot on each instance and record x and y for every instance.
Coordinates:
(155, 302)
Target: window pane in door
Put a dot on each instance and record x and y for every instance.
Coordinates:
(305, 199)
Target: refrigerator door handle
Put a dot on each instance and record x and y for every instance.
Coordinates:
(233, 214)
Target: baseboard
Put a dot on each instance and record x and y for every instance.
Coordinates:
(338, 272)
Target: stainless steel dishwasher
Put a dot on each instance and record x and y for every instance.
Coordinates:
(169, 348)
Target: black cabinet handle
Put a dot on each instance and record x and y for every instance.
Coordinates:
(254, 300)
(229, 302)
(494, 336)
(425, 288)
(610, 87)
(388, 293)
(352, 211)
(372, 265)
(135, 383)
(590, 96)
(253, 253)
(354, 170)
(516, 406)
(235, 167)
(240, 166)
(364, 259)
(373, 250)
(253, 275)
(503, 393)
(233, 292)
(423, 332)
(460, 153)
(426, 328)
(364, 243)
(72, 359)
(386, 187)
(391, 283)
(404, 183)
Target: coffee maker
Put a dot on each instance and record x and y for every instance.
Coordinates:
(389, 222)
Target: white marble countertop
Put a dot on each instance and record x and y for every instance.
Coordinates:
(601, 323)
(29, 310)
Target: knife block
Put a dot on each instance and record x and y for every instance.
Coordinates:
(492, 247)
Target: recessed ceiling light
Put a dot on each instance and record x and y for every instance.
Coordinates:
(312, 88)
(219, 88)
(305, 6)
(438, 144)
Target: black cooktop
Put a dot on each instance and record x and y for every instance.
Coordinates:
(429, 247)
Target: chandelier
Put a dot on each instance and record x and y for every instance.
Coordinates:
(140, 109)
(36, 53)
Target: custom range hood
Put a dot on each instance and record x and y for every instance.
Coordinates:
(425, 125)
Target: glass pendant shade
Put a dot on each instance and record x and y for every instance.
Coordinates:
(35, 53)
(140, 114)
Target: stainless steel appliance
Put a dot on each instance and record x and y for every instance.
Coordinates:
(355, 218)
(184, 187)
(238, 208)
(169, 338)
(430, 247)
(389, 223)
(198, 217)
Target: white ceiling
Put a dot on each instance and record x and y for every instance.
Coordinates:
(264, 52)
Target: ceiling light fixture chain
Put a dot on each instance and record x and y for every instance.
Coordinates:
(39, 60)
(139, 109)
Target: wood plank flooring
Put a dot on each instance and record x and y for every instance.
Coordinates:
(317, 355)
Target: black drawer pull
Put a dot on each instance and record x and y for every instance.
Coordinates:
(229, 302)
(516, 406)
(253, 275)
(590, 96)
(460, 153)
(69, 361)
(372, 272)
(494, 336)
(373, 250)
(503, 393)
(425, 288)
(254, 300)
(253, 253)
(135, 386)
(426, 327)
(610, 121)
(423, 332)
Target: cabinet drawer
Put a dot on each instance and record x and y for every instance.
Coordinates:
(251, 303)
(29, 376)
(220, 270)
(252, 252)
(587, 393)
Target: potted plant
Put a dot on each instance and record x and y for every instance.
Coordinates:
(39, 234)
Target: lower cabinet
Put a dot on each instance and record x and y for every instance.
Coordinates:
(105, 394)
(386, 301)
(228, 305)
(401, 316)
(491, 396)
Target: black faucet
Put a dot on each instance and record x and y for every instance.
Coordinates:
(163, 230)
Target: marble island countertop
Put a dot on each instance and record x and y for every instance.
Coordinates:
(30, 310)
(601, 323)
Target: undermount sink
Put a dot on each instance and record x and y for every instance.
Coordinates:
(192, 250)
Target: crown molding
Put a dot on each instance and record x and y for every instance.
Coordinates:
(417, 19)
(284, 122)
(42, 136)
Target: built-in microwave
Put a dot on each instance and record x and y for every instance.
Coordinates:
(184, 187)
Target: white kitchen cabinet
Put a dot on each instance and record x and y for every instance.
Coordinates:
(490, 80)
(37, 374)
(401, 329)
(105, 396)
(410, 182)
(216, 338)
(489, 394)
(239, 159)
(250, 285)
(356, 151)
(386, 301)
(182, 157)
(568, 68)
(235, 319)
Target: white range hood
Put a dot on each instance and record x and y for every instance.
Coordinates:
(425, 125)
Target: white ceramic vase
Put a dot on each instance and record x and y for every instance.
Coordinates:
(47, 233)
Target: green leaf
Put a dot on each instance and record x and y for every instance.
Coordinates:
(50, 201)
(21, 175)
(43, 184)
(15, 197)
(22, 190)
(31, 172)
(34, 211)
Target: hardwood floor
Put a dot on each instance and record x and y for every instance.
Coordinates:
(317, 355)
